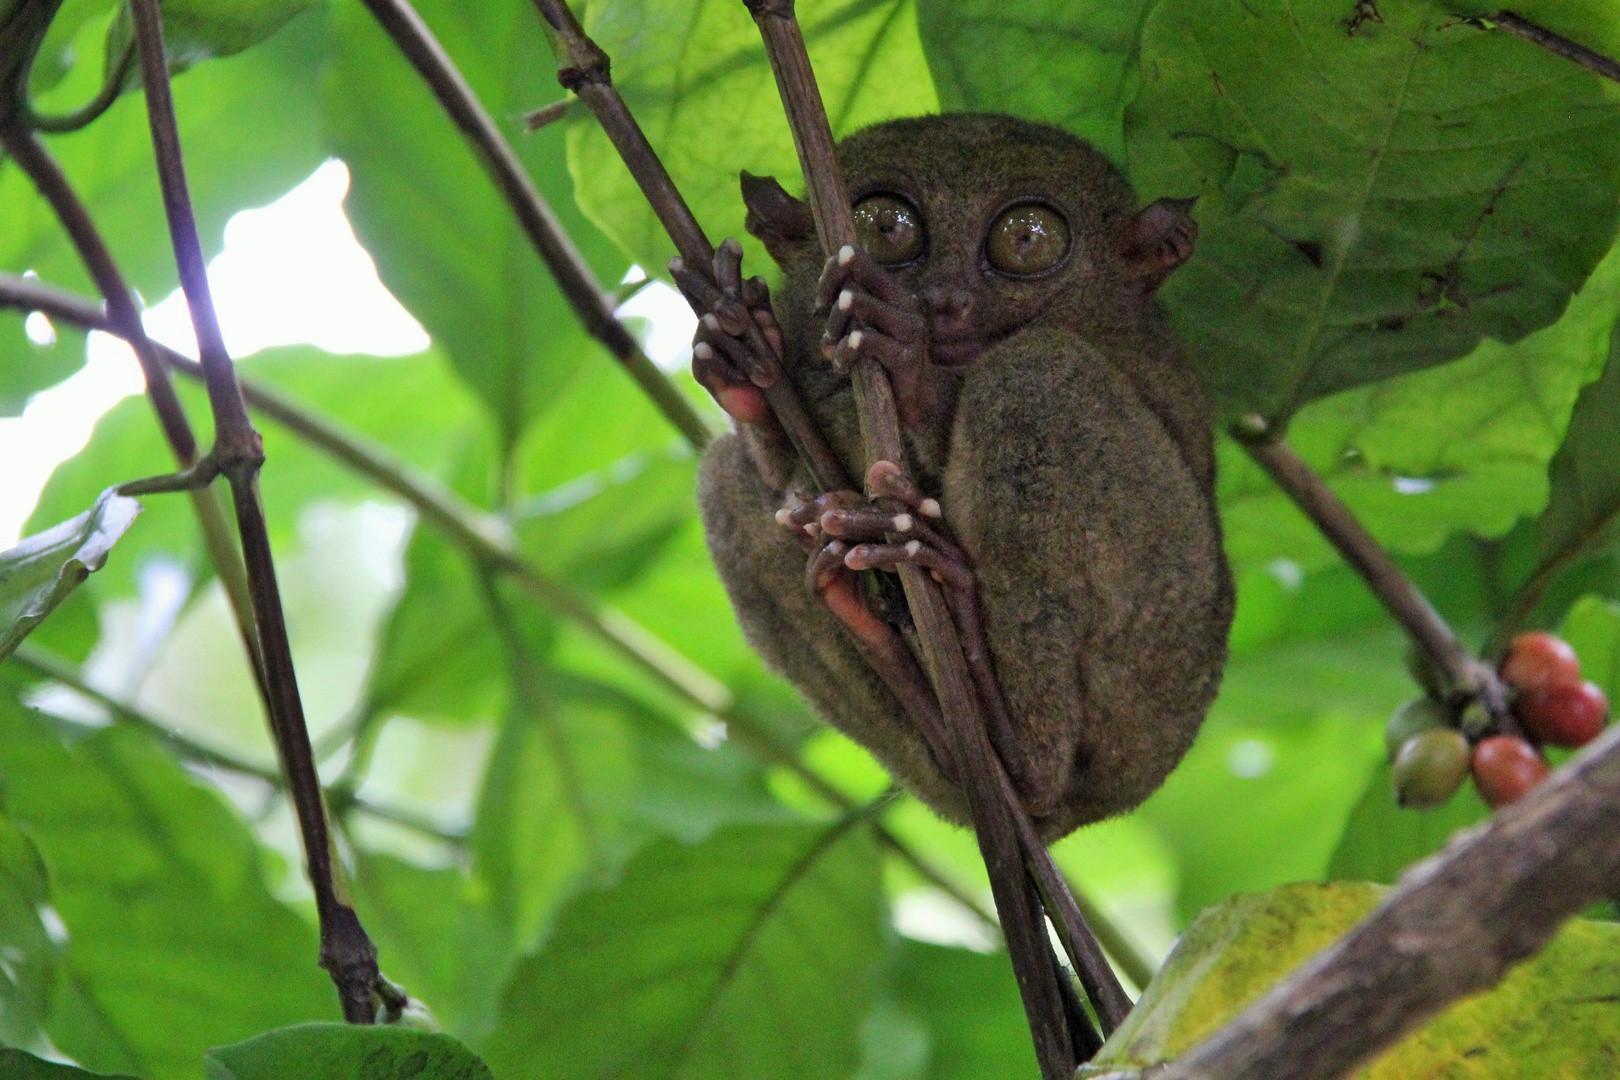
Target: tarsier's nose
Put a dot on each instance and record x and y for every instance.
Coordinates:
(946, 302)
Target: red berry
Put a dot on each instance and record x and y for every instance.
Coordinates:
(1564, 714)
(1506, 767)
(1538, 659)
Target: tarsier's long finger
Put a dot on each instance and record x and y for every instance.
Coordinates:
(728, 267)
(705, 299)
(824, 565)
(865, 524)
(850, 265)
(947, 570)
(879, 346)
(856, 304)
(887, 478)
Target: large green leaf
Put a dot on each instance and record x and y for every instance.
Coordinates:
(968, 1004)
(174, 944)
(445, 242)
(1585, 476)
(346, 1052)
(27, 954)
(1373, 198)
(694, 74)
(1538, 1022)
(1076, 62)
(17, 1065)
(753, 954)
(40, 572)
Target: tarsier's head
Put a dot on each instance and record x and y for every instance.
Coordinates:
(991, 222)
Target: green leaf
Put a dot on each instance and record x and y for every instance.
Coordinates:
(346, 1052)
(445, 241)
(1538, 1022)
(27, 368)
(18, 1065)
(970, 1007)
(753, 954)
(1592, 627)
(39, 573)
(174, 944)
(695, 76)
(28, 970)
(198, 30)
(1076, 62)
(1372, 200)
(1382, 839)
(1585, 475)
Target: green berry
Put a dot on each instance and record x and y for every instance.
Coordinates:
(1413, 718)
(1431, 767)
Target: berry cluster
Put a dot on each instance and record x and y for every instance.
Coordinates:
(1432, 756)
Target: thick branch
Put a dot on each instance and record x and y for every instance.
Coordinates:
(590, 301)
(346, 952)
(1456, 924)
(1557, 44)
(585, 70)
(995, 811)
(1409, 607)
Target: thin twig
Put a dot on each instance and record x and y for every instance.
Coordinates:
(124, 319)
(584, 68)
(57, 670)
(346, 952)
(1057, 1045)
(593, 304)
(1528, 596)
(1455, 925)
(546, 115)
(1467, 676)
(1557, 44)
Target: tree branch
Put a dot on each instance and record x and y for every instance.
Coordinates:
(584, 68)
(47, 176)
(1455, 925)
(346, 952)
(593, 304)
(1468, 677)
(1557, 44)
(1006, 840)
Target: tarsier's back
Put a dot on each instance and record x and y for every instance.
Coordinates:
(1050, 414)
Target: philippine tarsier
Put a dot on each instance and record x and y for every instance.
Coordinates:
(1060, 449)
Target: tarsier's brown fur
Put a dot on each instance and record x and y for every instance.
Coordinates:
(1072, 458)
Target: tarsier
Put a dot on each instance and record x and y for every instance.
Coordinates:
(1060, 450)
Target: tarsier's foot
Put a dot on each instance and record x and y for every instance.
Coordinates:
(847, 532)
(870, 314)
(737, 349)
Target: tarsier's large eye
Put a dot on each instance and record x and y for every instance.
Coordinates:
(1027, 239)
(890, 229)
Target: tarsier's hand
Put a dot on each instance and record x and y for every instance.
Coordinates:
(871, 314)
(726, 359)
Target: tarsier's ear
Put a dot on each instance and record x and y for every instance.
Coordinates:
(777, 218)
(1157, 240)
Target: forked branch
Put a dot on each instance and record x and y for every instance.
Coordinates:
(346, 952)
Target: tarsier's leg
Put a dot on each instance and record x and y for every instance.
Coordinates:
(906, 526)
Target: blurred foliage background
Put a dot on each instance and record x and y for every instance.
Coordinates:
(583, 861)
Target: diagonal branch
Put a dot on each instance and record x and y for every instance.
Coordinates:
(593, 304)
(346, 952)
(1456, 924)
(31, 156)
(1061, 1035)
(1557, 44)
(1468, 677)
